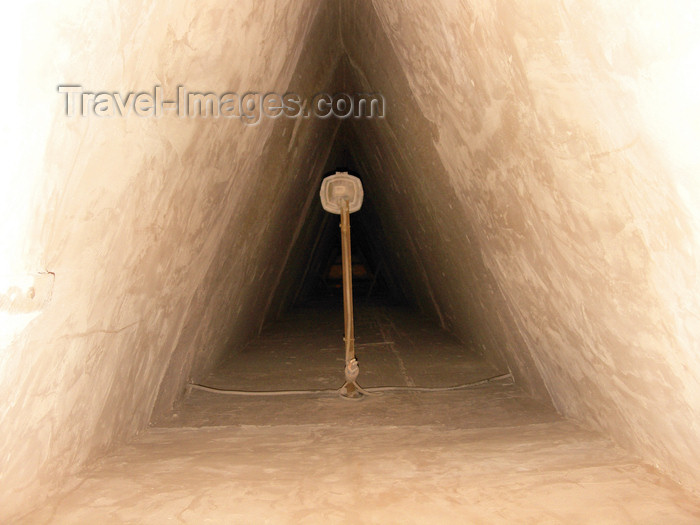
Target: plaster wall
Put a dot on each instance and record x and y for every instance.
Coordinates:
(163, 236)
(540, 155)
(534, 180)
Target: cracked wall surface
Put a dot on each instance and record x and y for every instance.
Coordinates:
(165, 234)
(534, 182)
(556, 223)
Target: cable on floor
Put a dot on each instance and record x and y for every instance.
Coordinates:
(375, 390)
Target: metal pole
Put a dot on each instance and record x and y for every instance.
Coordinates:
(342, 194)
(347, 281)
(351, 368)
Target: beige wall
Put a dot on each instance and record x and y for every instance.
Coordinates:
(543, 156)
(535, 177)
(165, 235)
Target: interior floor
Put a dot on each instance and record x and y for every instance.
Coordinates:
(483, 454)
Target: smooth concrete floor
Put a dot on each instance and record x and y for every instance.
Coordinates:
(488, 454)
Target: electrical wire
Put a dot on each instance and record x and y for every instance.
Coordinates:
(375, 390)
(438, 388)
(214, 390)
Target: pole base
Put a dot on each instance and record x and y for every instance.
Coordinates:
(351, 390)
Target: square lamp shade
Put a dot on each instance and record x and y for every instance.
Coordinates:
(339, 186)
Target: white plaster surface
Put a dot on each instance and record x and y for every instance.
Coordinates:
(165, 234)
(536, 177)
(535, 169)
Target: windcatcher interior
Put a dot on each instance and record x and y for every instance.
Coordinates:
(533, 186)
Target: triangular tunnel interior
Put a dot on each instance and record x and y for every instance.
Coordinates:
(530, 209)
